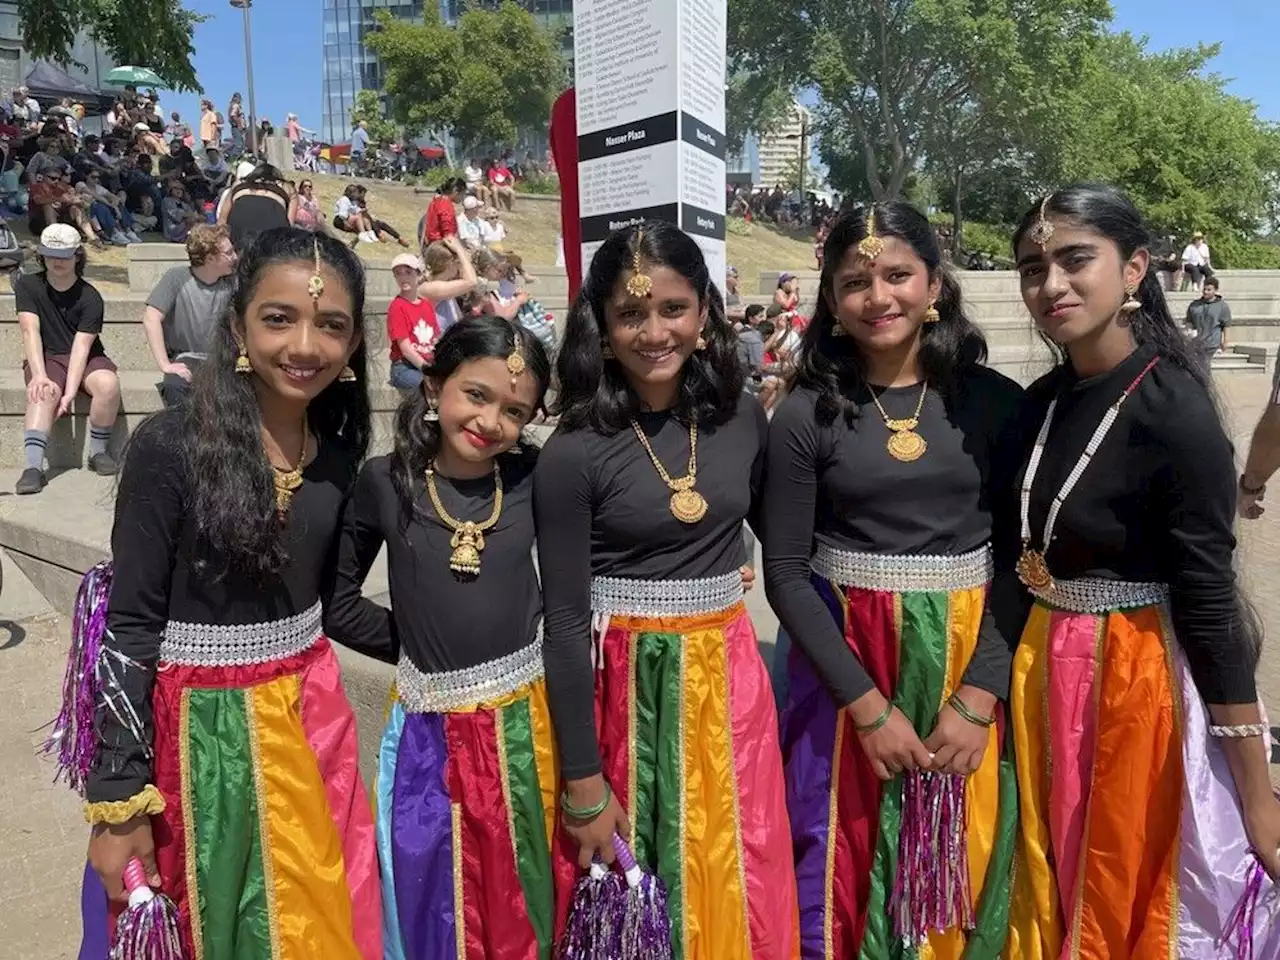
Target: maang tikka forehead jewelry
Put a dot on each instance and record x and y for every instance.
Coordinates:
(639, 284)
(1041, 231)
(315, 286)
(871, 246)
(515, 360)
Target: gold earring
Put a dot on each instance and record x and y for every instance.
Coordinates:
(242, 361)
(347, 375)
(701, 344)
(1131, 304)
(838, 330)
(931, 315)
(606, 351)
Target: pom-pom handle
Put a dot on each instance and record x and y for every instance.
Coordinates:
(135, 881)
(627, 861)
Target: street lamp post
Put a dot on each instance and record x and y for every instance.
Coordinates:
(244, 5)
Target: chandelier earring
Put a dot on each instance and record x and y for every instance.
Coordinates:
(1131, 303)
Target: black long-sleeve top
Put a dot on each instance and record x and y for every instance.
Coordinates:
(155, 546)
(1156, 505)
(602, 510)
(442, 621)
(837, 485)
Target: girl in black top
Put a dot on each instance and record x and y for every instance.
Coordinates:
(466, 784)
(640, 496)
(227, 749)
(1141, 748)
(881, 479)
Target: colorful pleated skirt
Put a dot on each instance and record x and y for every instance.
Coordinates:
(267, 839)
(1132, 843)
(688, 740)
(912, 622)
(466, 803)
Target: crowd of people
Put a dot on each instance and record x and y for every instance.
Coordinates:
(1013, 630)
(141, 174)
(464, 270)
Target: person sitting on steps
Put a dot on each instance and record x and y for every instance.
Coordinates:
(60, 315)
(185, 306)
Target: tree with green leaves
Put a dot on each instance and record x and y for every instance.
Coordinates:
(368, 107)
(497, 70)
(893, 76)
(147, 33)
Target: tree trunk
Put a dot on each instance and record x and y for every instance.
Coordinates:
(957, 216)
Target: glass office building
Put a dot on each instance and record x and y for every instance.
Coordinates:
(349, 67)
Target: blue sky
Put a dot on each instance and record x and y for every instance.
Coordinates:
(287, 64)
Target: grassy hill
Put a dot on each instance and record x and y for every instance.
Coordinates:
(532, 229)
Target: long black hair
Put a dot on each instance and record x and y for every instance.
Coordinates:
(418, 440)
(592, 391)
(948, 347)
(233, 490)
(1107, 210)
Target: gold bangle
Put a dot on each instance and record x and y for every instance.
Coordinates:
(877, 723)
(148, 800)
(962, 708)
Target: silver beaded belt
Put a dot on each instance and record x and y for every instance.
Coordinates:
(209, 645)
(1096, 595)
(453, 690)
(903, 573)
(624, 597)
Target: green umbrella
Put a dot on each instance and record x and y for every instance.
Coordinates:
(138, 76)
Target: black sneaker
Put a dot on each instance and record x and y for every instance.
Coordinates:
(104, 465)
(31, 481)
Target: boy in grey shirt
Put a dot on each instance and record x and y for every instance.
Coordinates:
(1209, 316)
(185, 306)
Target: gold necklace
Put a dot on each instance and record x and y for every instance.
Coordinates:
(904, 443)
(468, 536)
(687, 504)
(287, 481)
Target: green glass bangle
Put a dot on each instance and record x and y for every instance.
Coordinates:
(586, 813)
(877, 723)
(962, 708)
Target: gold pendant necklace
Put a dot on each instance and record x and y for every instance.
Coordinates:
(687, 504)
(1032, 566)
(904, 443)
(287, 481)
(468, 536)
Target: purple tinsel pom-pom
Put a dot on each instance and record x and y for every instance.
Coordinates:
(1240, 925)
(594, 929)
(149, 932)
(931, 888)
(73, 740)
(618, 919)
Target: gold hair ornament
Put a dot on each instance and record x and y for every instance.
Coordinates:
(315, 286)
(871, 246)
(1042, 231)
(639, 284)
(515, 359)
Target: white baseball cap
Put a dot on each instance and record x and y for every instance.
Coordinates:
(59, 240)
(470, 203)
(245, 168)
(407, 260)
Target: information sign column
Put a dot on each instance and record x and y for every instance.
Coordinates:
(649, 78)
